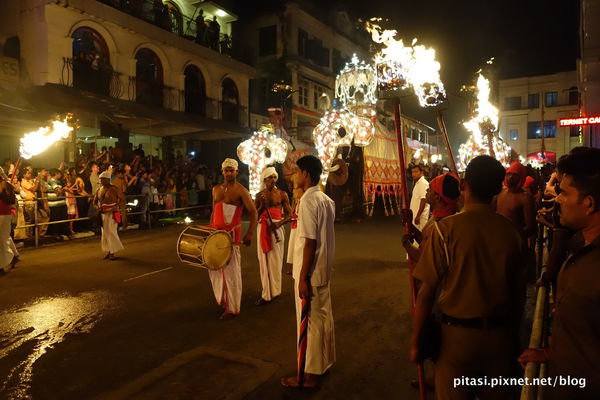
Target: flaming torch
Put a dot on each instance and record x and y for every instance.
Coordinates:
(36, 142)
(483, 126)
(262, 149)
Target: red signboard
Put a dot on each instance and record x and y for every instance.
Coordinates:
(579, 121)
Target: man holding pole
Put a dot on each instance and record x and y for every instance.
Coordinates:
(270, 203)
(314, 255)
(418, 205)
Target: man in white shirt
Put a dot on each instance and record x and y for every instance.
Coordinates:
(418, 205)
(314, 252)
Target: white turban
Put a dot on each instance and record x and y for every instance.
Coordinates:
(229, 162)
(106, 175)
(267, 172)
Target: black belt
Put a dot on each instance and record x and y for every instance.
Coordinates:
(475, 323)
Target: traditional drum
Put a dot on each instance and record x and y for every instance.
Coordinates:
(204, 246)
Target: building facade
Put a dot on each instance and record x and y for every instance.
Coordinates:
(162, 73)
(526, 104)
(588, 68)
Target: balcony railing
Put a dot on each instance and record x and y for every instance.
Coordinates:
(196, 30)
(84, 74)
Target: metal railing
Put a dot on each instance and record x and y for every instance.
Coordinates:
(132, 203)
(539, 329)
(83, 74)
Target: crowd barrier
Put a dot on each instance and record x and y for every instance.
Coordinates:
(136, 205)
(539, 328)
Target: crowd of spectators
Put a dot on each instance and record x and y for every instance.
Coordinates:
(64, 193)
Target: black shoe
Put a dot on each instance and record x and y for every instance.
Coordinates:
(261, 302)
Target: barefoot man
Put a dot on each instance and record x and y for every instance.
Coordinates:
(229, 199)
(110, 200)
(270, 203)
(314, 253)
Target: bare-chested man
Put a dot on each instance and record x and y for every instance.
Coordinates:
(270, 203)
(110, 200)
(229, 199)
(514, 203)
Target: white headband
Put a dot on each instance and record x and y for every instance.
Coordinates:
(267, 172)
(229, 162)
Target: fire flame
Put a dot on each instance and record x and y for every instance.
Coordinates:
(33, 143)
(400, 66)
(483, 124)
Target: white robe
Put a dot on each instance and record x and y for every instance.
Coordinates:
(110, 236)
(227, 282)
(291, 245)
(7, 247)
(320, 346)
(270, 264)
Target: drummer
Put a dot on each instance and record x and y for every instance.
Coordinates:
(270, 203)
(229, 199)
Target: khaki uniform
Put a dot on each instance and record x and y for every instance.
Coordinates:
(485, 285)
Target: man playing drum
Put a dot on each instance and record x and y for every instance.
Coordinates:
(229, 199)
(270, 203)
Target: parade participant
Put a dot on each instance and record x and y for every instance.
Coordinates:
(229, 199)
(442, 196)
(515, 203)
(110, 201)
(418, 205)
(270, 202)
(8, 255)
(297, 193)
(476, 258)
(575, 344)
(314, 254)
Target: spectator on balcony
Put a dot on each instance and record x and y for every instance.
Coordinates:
(214, 31)
(201, 28)
(226, 45)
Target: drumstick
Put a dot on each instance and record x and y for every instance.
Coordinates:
(271, 223)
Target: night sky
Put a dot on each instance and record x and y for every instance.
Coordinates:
(526, 38)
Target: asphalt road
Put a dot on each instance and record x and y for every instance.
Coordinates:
(73, 326)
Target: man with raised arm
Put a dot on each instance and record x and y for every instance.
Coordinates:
(270, 203)
(229, 200)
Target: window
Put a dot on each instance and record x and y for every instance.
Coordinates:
(302, 43)
(91, 62)
(148, 78)
(574, 131)
(573, 96)
(533, 100)
(267, 40)
(533, 130)
(551, 99)
(337, 61)
(303, 92)
(512, 103)
(550, 129)
(195, 91)
(514, 134)
(230, 109)
(317, 92)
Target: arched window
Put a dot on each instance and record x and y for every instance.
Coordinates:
(148, 78)
(195, 91)
(229, 101)
(91, 61)
(175, 20)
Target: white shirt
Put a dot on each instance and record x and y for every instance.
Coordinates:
(419, 192)
(316, 216)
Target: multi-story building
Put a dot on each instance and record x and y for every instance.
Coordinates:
(527, 103)
(588, 68)
(158, 72)
(303, 49)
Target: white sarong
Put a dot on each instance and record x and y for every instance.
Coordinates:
(320, 347)
(227, 282)
(291, 245)
(7, 247)
(110, 236)
(270, 264)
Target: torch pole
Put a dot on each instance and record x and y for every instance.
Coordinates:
(16, 170)
(407, 228)
(442, 125)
